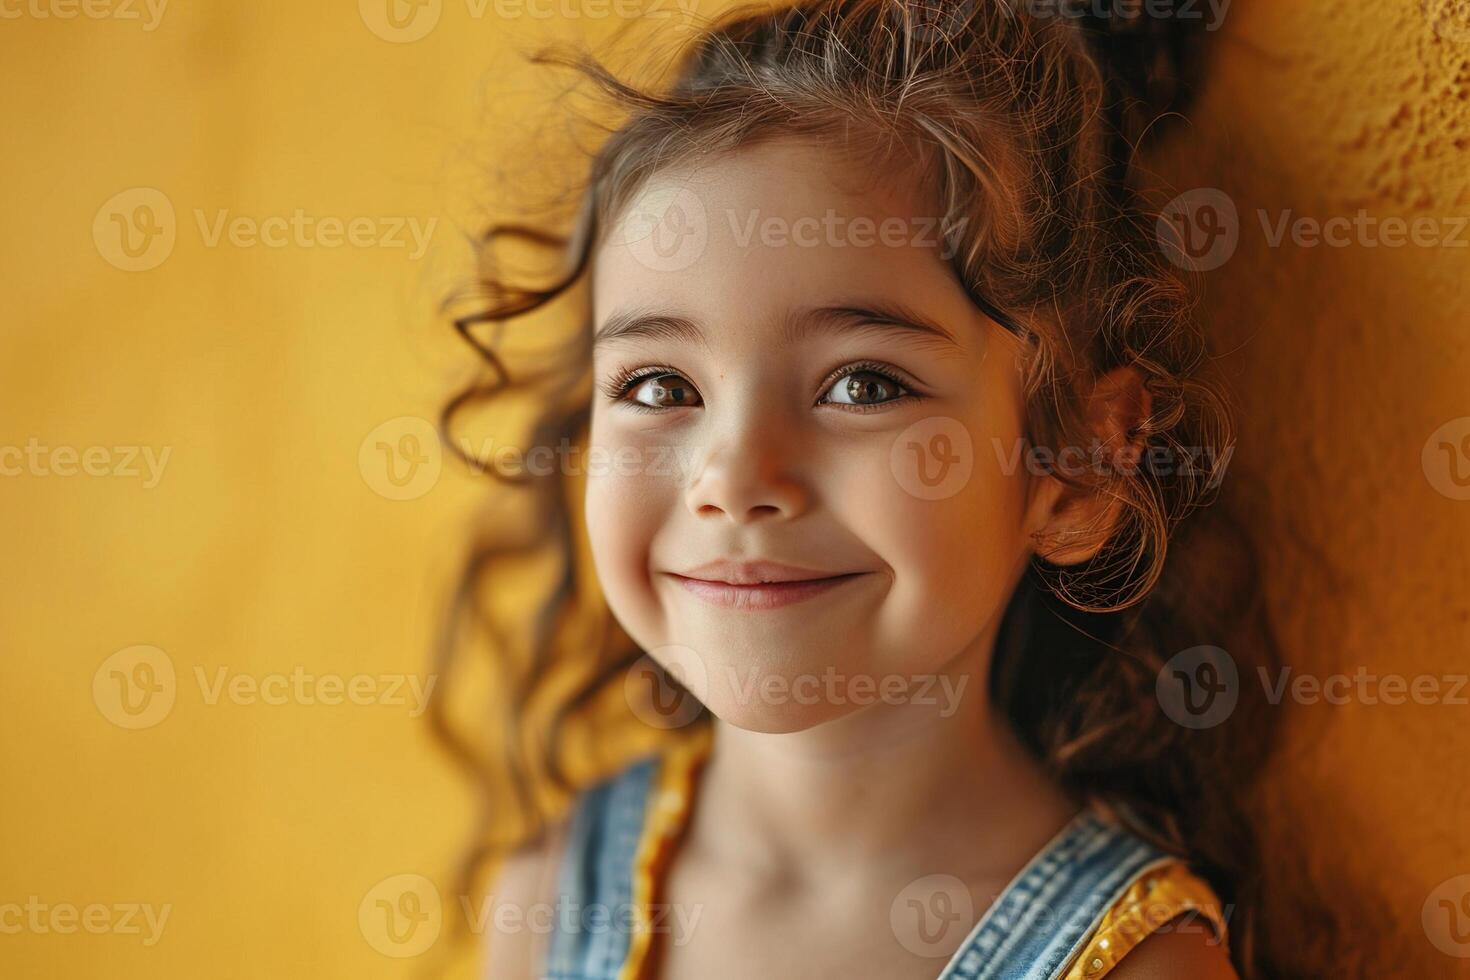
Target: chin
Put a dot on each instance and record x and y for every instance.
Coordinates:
(775, 719)
(778, 692)
(761, 681)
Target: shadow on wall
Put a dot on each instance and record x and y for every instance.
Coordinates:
(1324, 173)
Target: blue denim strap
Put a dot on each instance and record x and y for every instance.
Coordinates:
(1042, 918)
(592, 925)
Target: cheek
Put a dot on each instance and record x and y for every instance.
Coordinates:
(627, 502)
(954, 545)
(957, 557)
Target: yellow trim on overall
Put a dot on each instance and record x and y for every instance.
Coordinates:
(1153, 899)
(668, 804)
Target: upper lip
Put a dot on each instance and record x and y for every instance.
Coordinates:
(734, 572)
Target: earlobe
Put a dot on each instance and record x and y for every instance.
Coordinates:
(1082, 522)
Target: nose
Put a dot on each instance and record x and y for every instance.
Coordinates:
(748, 476)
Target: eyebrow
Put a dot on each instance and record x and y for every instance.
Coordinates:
(882, 316)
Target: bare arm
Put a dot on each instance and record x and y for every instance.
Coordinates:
(1176, 952)
(523, 904)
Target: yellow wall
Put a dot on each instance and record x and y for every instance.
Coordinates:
(264, 547)
(269, 542)
(1345, 361)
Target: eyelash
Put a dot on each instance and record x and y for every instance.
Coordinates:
(618, 387)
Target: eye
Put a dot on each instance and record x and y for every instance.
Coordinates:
(657, 389)
(665, 391)
(861, 386)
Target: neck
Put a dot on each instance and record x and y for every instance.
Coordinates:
(894, 786)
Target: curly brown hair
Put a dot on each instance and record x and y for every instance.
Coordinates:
(1026, 126)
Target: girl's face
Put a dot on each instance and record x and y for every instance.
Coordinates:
(788, 373)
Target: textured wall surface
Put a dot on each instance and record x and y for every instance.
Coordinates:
(264, 547)
(1346, 359)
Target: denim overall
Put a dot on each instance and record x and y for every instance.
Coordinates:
(1031, 931)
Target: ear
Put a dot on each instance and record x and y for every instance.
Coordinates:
(1071, 524)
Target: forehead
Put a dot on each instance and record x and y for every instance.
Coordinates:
(752, 233)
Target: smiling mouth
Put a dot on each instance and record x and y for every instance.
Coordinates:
(761, 595)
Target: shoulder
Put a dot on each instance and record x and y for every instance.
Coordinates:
(1168, 922)
(1180, 952)
(523, 891)
(526, 891)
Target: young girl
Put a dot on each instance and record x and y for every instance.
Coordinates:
(890, 402)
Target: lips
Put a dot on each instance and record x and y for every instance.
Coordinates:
(758, 585)
(735, 572)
